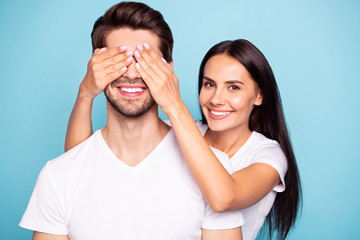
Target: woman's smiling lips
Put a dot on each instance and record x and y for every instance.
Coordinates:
(219, 114)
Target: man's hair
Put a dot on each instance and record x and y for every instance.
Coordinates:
(136, 16)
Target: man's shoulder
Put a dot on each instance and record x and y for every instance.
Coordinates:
(203, 127)
(73, 160)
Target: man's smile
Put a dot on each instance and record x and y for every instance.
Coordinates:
(131, 90)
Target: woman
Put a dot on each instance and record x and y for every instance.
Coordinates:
(241, 106)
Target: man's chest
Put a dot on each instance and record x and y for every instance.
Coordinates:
(160, 201)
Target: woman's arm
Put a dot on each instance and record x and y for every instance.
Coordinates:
(221, 190)
(47, 236)
(105, 66)
(80, 125)
(228, 234)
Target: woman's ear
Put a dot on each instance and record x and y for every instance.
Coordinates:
(172, 64)
(259, 99)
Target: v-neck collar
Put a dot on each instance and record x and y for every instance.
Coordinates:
(244, 146)
(147, 160)
(240, 150)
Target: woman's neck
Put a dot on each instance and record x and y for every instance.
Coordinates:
(229, 141)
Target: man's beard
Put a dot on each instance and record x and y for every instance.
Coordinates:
(129, 108)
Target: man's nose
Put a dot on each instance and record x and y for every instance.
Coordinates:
(131, 72)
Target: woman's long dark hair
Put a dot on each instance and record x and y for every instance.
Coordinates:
(268, 119)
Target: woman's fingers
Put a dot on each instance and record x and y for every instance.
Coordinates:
(113, 75)
(147, 67)
(105, 66)
(155, 67)
(104, 53)
(162, 68)
(158, 75)
(114, 66)
(118, 62)
(145, 76)
(154, 59)
(116, 70)
(159, 60)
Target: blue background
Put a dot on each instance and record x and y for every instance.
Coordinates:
(312, 46)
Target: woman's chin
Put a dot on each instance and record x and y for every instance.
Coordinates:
(217, 126)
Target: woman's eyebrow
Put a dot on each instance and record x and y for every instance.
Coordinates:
(209, 79)
(227, 82)
(234, 81)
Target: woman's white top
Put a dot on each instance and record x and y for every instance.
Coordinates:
(257, 149)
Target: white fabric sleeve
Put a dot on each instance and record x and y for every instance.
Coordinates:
(271, 154)
(223, 220)
(45, 211)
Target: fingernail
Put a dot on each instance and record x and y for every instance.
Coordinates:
(139, 47)
(123, 48)
(146, 46)
(129, 53)
(102, 49)
(164, 60)
(129, 59)
(137, 65)
(124, 69)
(137, 53)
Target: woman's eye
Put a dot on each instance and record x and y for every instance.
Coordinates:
(207, 84)
(233, 87)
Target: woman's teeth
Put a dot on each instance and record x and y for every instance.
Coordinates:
(220, 113)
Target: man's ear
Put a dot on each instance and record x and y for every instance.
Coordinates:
(259, 99)
(172, 64)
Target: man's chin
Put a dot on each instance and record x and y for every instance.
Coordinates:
(131, 109)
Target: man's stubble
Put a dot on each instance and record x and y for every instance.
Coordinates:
(129, 107)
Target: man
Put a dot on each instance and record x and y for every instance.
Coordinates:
(128, 180)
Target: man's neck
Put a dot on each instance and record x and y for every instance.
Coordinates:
(133, 139)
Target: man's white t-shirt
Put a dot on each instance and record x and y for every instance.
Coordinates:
(257, 149)
(89, 194)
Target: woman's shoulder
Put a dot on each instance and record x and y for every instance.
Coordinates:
(260, 149)
(260, 141)
(266, 150)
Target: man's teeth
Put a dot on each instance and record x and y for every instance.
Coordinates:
(131, 90)
(220, 113)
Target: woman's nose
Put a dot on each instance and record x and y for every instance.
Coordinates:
(217, 98)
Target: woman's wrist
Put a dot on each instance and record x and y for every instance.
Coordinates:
(176, 111)
(84, 95)
(84, 92)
